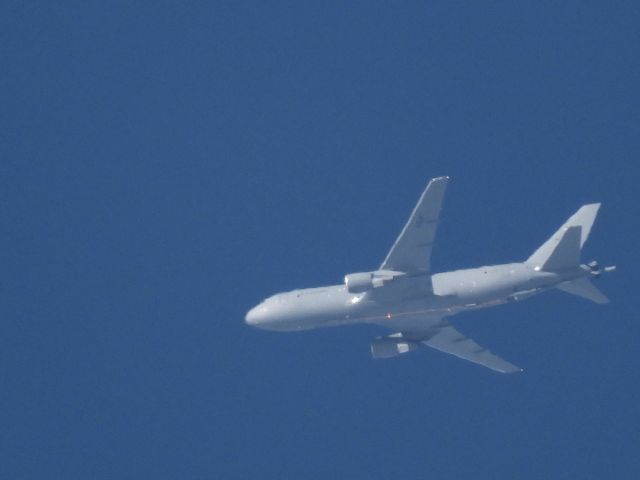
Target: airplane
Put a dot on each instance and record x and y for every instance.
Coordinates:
(404, 295)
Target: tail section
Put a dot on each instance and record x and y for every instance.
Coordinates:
(562, 250)
(583, 287)
(566, 251)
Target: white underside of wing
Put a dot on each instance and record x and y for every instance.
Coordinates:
(411, 251)
(449, 340)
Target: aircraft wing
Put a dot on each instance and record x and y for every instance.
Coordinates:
(411, 251)
(444, 337)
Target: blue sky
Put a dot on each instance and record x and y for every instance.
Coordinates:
(164, 167)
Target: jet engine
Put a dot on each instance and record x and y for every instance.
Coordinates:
(363, 282)
(359, 282)
(391, 346)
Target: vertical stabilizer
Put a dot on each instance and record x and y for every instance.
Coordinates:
(562, 250)
(566, 251)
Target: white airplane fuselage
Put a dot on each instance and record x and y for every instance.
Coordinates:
(452, 292)
(404, 296)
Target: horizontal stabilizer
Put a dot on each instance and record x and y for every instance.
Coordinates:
(585, 289)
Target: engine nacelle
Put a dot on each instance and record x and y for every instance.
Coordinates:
(365, 281)
(359, 282)
(391, 346)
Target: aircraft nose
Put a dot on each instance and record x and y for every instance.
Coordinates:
(254, 316)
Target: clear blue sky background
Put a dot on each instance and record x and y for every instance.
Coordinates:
(163, 167)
